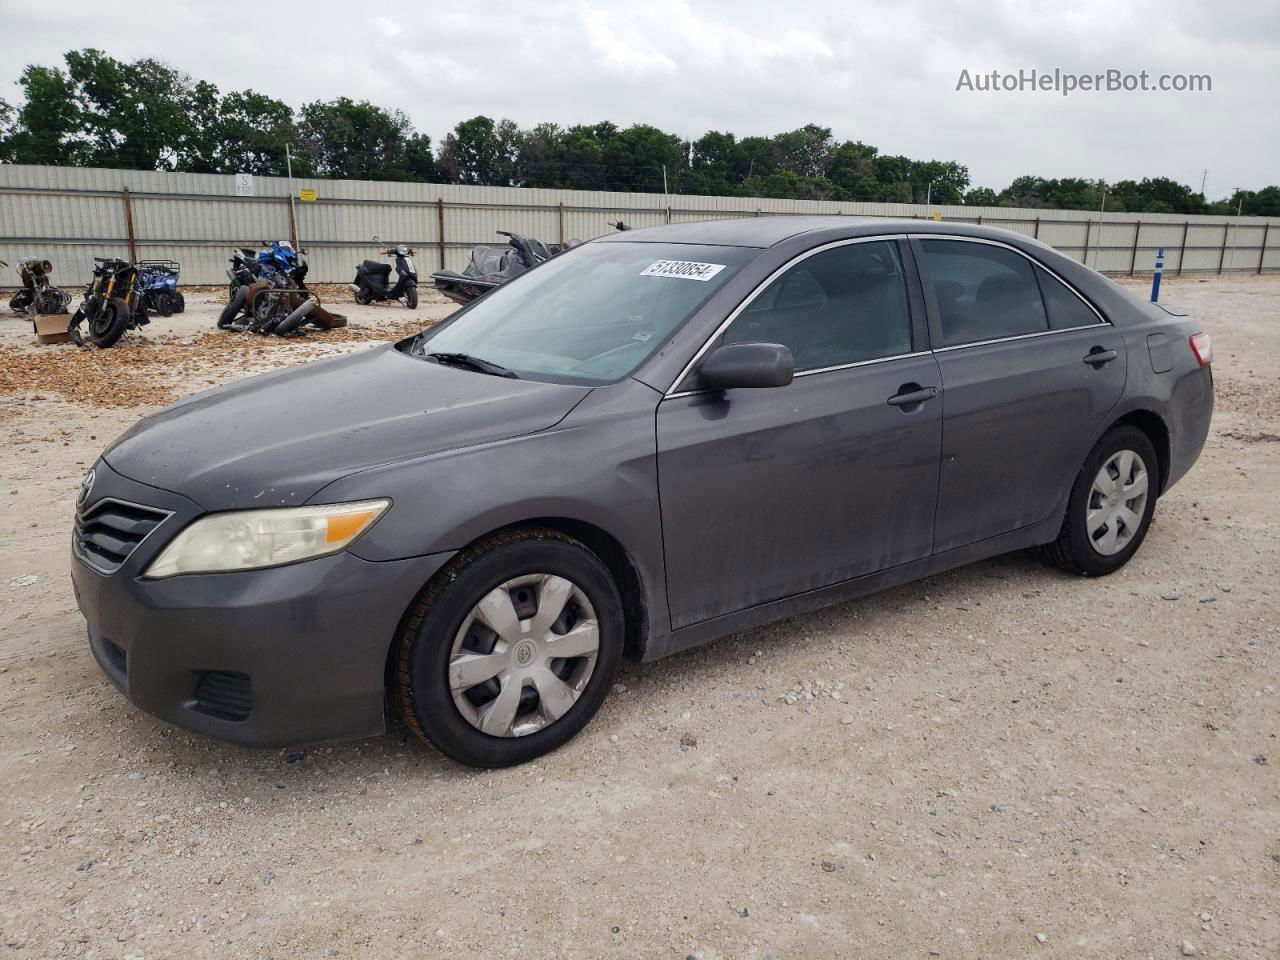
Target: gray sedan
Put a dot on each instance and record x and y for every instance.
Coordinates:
(648, 442)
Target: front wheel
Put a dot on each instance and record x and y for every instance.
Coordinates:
(510, 650)
(411, 296)
(109, 323)
(1110, 506)
(233, 307)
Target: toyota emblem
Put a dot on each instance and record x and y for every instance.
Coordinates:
(86, 485)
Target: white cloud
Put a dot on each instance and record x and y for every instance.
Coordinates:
(388, 28)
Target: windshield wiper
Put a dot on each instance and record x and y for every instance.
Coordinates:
(469, 362)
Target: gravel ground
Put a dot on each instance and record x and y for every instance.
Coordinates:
(997, 762)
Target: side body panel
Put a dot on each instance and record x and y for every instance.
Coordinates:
(770, 493)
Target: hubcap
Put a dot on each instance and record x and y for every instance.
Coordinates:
(1117, 502)
(523, 655)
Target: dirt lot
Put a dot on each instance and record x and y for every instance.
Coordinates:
(999, 762)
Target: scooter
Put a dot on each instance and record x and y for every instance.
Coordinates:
(373, 278)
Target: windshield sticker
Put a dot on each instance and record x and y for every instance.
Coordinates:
(684, 269)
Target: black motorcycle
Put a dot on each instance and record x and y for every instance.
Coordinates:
(38, 294)
(493, 264)
(113, 303)
(373, 278)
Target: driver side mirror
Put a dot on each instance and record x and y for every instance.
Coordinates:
(738, 365)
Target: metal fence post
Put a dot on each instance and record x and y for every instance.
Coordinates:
(561, 211)
(1084, 257)
(1262, 252)
(1182, 254)
(1222, 254)
(128, 224)
(1035, 234)
(1133, 255)
(440, 227)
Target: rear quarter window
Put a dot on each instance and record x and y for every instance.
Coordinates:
(1065, 309)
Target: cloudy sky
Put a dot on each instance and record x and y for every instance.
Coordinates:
(884, 71)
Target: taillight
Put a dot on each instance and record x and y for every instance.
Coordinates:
(1202, 347)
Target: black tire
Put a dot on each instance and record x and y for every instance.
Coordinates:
(363, 298)
(1074, 550)
(109, 324)
(294, 320)
(163, 304)
(420, 681)
(411, 296)
(179, 302)
(233, 308)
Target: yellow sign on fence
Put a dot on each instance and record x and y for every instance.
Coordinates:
(307, 195)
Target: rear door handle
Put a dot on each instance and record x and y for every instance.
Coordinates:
(913, 397)
(1097, 356)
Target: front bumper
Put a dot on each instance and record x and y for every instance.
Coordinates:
(274, 657)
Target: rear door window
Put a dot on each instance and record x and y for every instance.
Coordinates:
(983, 292)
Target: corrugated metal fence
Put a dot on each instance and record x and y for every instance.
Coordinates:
(71, 214)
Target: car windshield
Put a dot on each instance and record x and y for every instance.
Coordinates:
(590, 315)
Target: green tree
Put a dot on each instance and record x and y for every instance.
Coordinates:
(250, 134)
(981, 197)
(359, 141)
(480, 151)
(139, 115)
(46, 128)
(805, 152)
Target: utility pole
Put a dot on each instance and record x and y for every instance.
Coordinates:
(293, 221)
(1204, 178)
(1102, 215)
(664, 179)
(928, 194)
(1239, 209)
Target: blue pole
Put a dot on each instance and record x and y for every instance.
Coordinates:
(1155, 277)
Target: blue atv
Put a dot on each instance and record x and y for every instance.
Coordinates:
(159, 281)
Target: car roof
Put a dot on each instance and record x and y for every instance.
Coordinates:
(769, 229)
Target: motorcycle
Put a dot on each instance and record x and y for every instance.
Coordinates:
(160, 293)
(38, 294)
(277, 261)
(373, 278)
(493, 264)
(113, 303)
(279, 272)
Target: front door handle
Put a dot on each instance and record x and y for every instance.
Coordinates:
(912, 397)
(1097, 356)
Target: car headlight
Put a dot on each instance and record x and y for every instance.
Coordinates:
(248, 539)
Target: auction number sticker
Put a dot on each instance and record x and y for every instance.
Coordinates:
(684, 269)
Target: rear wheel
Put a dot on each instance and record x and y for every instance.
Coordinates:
(163, 304)
(510, 650)
(179, 302)
(1110, 506)
(109, 323)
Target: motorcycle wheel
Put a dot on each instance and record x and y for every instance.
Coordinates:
(108, 325)
(263, 307)
(179, 302)
(163, 305)
(232, 309)
(19, 302)
(411, 296)
(363, 298)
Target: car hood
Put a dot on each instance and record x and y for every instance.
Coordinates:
(280, 437)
